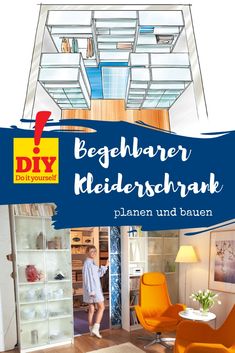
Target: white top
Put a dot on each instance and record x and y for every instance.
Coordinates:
(196, 315)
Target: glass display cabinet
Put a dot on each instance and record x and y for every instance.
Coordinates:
(43, 284)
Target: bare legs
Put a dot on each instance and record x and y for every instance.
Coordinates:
(94, 329)
(91, 312)
(99, 313)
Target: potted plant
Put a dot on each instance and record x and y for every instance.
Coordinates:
(206, 299)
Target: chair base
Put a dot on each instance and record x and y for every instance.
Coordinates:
(158, 339)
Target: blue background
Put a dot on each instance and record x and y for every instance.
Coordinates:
(209, 154)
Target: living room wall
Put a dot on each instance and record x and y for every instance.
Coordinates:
(198, 273)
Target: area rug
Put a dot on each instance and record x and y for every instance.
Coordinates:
(81, 324)
(121, 348)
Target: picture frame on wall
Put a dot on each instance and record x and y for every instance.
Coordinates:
(222, 261)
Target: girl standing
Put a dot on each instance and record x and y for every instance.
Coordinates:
(92, 290)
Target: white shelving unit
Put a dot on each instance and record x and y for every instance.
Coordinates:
(76, 25)
(148, 73)
(116, 34)
(157, 80)
(64, 77)
(120, 33)
(146, 252)
(158, 31)
(44, 304)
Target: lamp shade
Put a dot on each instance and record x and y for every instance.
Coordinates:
(186, 254)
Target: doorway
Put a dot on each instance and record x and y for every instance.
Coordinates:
(80, 238)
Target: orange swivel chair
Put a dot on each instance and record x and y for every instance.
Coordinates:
(199, 337)
(155, 311)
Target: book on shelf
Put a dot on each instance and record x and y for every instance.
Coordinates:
(134, 298)
(73, 276)
(133, 317)
(104, 241)
(134, 283)
(77, 264)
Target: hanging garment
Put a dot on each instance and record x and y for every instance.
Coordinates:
(74, 45)
(65, 45)
(90, 49)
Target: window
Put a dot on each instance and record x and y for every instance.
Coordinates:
(114, 81)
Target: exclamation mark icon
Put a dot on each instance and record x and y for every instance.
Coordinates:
(40, 122)
(36, 160)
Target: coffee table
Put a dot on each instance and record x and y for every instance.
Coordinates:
(196, 315)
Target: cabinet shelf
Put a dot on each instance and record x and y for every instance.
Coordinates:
(36, 301)
(60, 317)
(29, 347)
(31, 250)
(27, 322)
(45, 343)
(44, 282)
(44, 301)
(33, 302)
(43, 250)
(32, 283)
(134, 262)
(59, 281)
(58, 299)
(57, 250)
(72, 245)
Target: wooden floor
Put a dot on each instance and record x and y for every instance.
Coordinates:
(114, 110)
(110, 338)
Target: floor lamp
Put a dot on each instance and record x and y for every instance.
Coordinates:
(186, 255)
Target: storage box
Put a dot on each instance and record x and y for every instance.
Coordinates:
(87, 240)
(76, 238)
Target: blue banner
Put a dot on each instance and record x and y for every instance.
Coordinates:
(120, 174)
